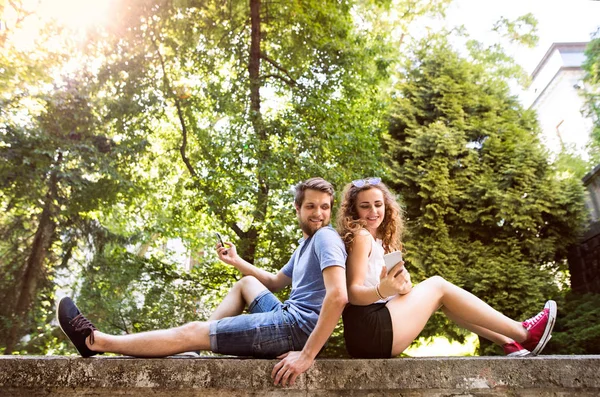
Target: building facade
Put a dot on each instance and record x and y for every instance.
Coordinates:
(555, 94)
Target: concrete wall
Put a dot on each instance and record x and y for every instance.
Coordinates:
(178, 376)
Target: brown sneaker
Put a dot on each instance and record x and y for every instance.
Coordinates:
(75, 326)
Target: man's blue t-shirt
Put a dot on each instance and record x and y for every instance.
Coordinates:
(323, 249)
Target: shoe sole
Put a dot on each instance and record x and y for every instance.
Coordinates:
(60, 325)
(58, 318)
(551, 306)
(520, 353)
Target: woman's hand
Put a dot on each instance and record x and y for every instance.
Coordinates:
(397, 281)
(227, 254)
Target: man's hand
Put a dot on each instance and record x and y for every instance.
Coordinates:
(293, 364)
(227, 254)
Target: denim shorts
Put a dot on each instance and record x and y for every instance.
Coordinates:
(268, 331)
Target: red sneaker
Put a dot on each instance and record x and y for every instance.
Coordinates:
(514, 349)
(540, 328)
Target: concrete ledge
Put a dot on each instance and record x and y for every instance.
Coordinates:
(187, 376)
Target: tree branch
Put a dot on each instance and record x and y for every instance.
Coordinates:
(239, 232)
(182, 149)
(169, 91)
(280, 68)
(280, 77)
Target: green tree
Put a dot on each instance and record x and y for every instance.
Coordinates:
(248, 99)
(252, 97)
(54, 172)
(592, 92)
(577, 329)
(235, 101)
(484, 208)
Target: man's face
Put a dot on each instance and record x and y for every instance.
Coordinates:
(315, 211)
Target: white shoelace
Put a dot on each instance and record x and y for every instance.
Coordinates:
(533, 320)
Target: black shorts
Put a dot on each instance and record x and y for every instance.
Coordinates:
(368, 331)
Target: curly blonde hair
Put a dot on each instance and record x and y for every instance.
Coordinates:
(348, 225)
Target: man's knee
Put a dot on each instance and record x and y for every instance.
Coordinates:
(194, 330)
(250, 288)
(250, 285)
(245, 282)
(249, 280)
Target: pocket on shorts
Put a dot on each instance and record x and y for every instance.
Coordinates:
(272, 341)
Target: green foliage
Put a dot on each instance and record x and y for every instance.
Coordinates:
(125, 293)
(522, 30)
(572, 165)
(577, 329)
(592, 93)
(484, 208)
(57, 166)
(185, 66)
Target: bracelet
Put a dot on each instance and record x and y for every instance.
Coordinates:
(378, 293)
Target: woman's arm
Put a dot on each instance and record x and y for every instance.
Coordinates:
(397, 282)
(356, 269)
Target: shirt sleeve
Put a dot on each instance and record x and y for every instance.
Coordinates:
(329, 248)
(288, 269)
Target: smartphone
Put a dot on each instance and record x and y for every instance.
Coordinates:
(392, 259)
(221, 241)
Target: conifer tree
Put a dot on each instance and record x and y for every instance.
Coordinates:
(484, 208)
(592, 92)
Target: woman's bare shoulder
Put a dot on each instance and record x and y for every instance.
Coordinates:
(362, 239)
(363, 233)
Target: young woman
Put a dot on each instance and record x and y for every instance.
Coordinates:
(386, 313)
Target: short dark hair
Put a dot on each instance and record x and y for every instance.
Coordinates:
(317, 183)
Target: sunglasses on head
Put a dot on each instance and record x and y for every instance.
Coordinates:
(366, 181)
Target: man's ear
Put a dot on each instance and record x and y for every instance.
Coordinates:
(297, 209)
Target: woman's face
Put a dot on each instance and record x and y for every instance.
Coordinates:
(371, 208)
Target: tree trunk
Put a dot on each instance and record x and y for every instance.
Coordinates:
(34, 266)
(262, 192)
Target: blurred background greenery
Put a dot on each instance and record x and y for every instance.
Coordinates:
(133, 131)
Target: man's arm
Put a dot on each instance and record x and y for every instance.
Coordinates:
(274, 282)
(336, 297)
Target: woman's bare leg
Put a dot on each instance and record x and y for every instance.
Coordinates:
(495, 337)
(411, 312)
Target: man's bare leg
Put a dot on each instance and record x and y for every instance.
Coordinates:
(189, 337)
(240, 296)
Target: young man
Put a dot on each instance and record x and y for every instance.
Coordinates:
(294, 331)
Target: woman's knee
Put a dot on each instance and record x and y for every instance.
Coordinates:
(438, 281)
